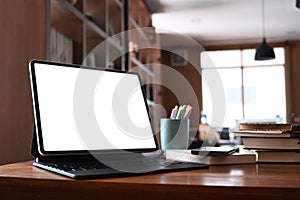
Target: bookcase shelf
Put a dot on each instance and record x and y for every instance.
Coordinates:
(96, 29)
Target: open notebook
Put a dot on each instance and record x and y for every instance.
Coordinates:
(92, 123)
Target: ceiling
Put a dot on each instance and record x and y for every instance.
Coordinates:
(227, 21)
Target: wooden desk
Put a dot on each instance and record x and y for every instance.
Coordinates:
(250, 181)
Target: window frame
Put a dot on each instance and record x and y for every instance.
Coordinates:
(242, 67)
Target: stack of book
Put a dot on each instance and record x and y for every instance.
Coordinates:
(272, 142)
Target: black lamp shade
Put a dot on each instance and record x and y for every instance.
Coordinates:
(298, 3)
(264, 51)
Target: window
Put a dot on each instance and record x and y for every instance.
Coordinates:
(254, 90)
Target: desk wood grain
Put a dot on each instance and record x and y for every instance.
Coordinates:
(248, 181)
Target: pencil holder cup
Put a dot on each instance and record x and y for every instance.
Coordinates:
(174, 133)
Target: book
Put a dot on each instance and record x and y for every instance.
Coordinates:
(61, 47)
(278, 156)
(264, 126)
(271, 143)
(268, 134)
(187, 156)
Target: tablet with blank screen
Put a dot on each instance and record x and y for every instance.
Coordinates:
(79, 109)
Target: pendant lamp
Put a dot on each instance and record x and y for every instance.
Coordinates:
(264, 51)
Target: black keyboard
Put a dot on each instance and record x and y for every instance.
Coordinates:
(83, 166)
(77, 166)
(115, 167)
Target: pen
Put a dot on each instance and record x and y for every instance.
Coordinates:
(178, 112)
(181, 111)
(188, 112)
(174, 112)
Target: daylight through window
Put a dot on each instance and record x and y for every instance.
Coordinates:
(254, 90)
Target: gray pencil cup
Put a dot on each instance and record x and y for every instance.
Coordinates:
(174, 133)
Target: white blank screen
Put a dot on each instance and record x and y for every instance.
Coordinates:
(83, 109)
